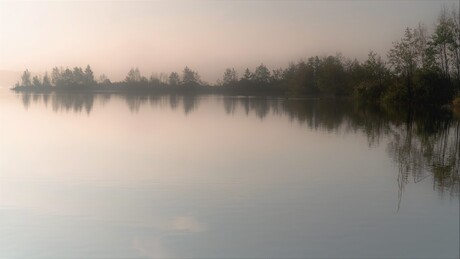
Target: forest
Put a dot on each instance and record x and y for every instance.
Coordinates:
(421, 68)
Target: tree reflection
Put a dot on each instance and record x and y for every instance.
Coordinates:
(423, 144)
(76, 102)
(427, 146)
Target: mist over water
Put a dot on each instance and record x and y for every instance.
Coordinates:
(211, 176)
(230, 129)
(209, 36)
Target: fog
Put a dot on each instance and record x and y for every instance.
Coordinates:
(207, 36)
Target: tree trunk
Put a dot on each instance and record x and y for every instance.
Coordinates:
(446, 60)
(409, 85)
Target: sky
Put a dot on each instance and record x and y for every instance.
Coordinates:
(207, 36)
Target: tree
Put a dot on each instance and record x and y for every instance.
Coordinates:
(355, 73)
(375, 68)
(298, 78)
(313, 69)
(372, 81)
(79, 78)
(174, 79)
(230, 76)
(25, 79)
(190, 77)
(46, 81)
(423, 42)
(455, 45)
(331, 76)
(404, 57)
(443, 39)
(248, 76)
(134, 76)
(56, 76)
(36, 81)
(67, 78)
(277, 75)
(262, 74)
(89, 76)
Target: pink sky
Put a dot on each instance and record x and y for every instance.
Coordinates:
(208, 36)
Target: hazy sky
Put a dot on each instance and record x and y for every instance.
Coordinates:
(208, 36)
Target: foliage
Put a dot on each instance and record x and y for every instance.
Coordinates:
(230, 77)
(373, 78)
(262, 75)
(190, 77)
(174, 79)
(25, 79)
(134, 76)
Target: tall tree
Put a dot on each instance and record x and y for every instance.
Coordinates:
(79, 78)
(442, 39)
(423, 41)
(67, 78)
(25, 79)
(455, 46)
(248, 76)
(375, 68)
(373, 76)
(134, 76)
(36, 81)
(277, 75)
(89, 76)
(331, 76)
(46, 80)
(56, 76)
(230, 76)
(262, 74)
(190, 77)
(404, 57)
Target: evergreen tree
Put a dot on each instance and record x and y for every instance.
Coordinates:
(89, 76)
(25, 79)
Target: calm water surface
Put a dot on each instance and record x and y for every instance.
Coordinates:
(125, 176)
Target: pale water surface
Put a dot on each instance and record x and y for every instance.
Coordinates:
(124, 176)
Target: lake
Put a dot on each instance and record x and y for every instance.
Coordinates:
(170, 176)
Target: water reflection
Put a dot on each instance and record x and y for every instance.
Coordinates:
(75, 102)
(111, 175)
(422, 144)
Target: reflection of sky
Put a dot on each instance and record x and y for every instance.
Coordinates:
(162, 183)
(206, 35)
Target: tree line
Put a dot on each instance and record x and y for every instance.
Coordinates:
(421, 68)
(63, 78)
